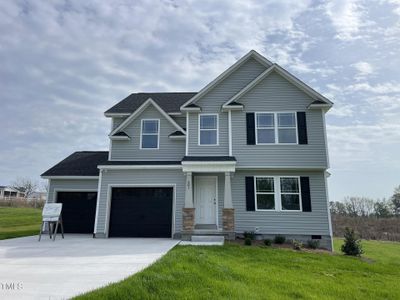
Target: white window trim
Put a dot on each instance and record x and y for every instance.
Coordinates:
(141, 134)
(277, 193)
(198, 130)
(276, 128)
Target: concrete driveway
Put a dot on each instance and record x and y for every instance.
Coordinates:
(68, 267)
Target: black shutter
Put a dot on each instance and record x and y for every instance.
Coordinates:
(305, 193)
(302, 127)
(250, 205)
(251, 129)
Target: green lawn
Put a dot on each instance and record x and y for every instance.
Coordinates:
(241, 272)
(17, 222)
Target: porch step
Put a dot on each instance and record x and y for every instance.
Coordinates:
(208, 238)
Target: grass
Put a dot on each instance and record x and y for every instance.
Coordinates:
(18, 222)
(242, 272)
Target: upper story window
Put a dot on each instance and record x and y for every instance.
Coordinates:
(150, 134)
(276, 128)
(208, 129)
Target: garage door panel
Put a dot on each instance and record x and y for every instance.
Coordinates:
(141, 212)
(79, 211)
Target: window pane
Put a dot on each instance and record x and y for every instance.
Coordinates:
(149, 141)
(286, 120)
(290, 185)
(265, 201)
(265, 120)
(265, 184)
(208, 137)
(265, 136)
(287, 135)
(208, 122)
(150, 126)
(290, 202)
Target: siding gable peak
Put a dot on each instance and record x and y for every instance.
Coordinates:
(250, 55)
(137, 112)
(286, 75)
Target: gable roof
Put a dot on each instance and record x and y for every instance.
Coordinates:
(169, 102)
(289, 77)
(82, 163)
(139, 110)
(251, 54)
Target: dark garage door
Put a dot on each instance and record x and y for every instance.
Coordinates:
(79, 211)
(141, 212)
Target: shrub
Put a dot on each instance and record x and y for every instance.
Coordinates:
(313, 244)
(352, 244)
(279, 239)
(249, 234)
(267, 242)
(247, 241)
(297, 245)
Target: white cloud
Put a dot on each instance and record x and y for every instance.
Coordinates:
(346, 17)
(364, 68)
(380, 88)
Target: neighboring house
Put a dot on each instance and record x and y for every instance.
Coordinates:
(248, 152)
(9, 192)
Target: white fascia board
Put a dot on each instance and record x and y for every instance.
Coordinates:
(70, 177)
(138, 167)
(178, 113)
(191, 109)
(138, 111)
(110, 115)
(180, 137)
(324, 107)
(295, 168)
(232, 107)
(214, 166)
(227, 72)
(120, 138)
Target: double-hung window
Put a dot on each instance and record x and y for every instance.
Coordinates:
(208, 129)
(279, 193)
(290, 193)
(150, 133)
(265, 193)
(276, 128)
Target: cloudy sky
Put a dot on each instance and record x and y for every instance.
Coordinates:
(63, 63)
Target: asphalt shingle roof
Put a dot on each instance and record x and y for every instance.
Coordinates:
(82, 163)
(169, 102)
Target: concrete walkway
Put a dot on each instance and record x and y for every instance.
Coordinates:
(65, 268)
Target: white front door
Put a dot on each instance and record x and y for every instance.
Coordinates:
(205, 199)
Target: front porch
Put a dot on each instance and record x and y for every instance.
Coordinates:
(208, 208)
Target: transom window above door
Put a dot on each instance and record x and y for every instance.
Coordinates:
(208, 129)
(150, 132)
(276, 128)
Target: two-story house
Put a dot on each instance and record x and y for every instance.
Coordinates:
(248, 152)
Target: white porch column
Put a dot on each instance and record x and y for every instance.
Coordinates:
(188, 191)
(228, 191)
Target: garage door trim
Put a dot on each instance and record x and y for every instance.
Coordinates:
(160, 185)
(58, 190)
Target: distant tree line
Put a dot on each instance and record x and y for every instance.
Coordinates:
(367, 207)
(371, 219)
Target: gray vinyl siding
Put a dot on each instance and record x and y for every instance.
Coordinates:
(169, 149)
(181, 120)
(69, 185)
(144, 177)
(117, 121)
(212, 103)
(274, 222)
(276, 94)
